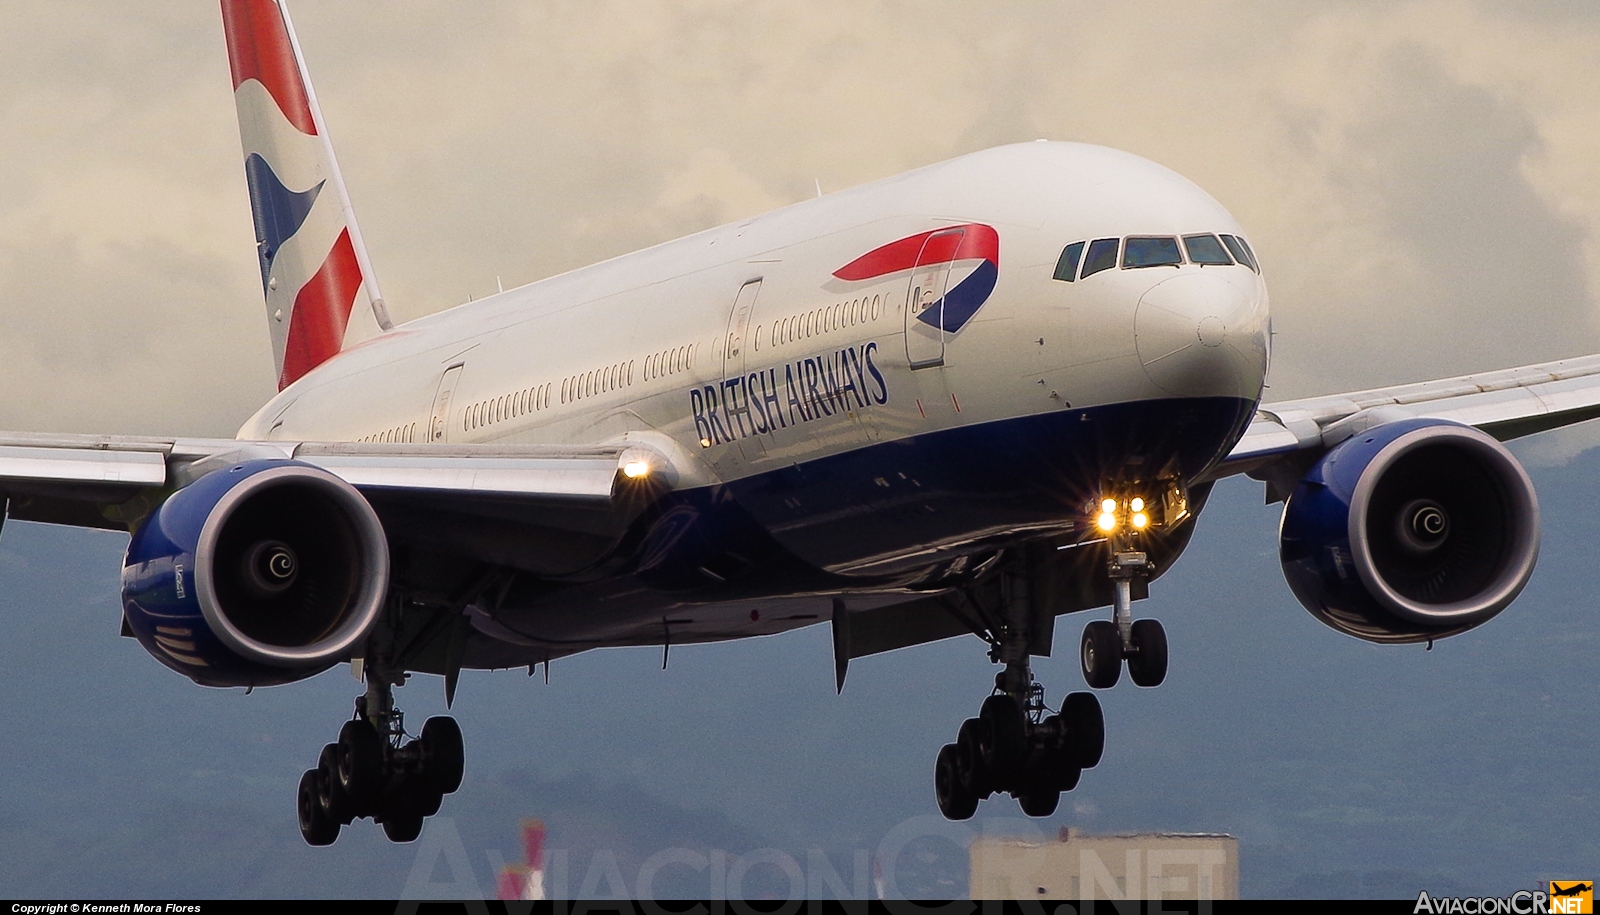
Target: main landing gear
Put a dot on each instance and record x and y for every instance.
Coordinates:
(1021, 748)
(374, 770)
(1107, 643)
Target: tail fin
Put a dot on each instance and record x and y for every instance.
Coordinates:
(313, 261)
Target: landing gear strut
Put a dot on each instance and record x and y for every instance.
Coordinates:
(375, 770)
(1017, 745)
(1107, 643)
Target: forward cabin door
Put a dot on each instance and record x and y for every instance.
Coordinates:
(439, 418)
(738, 340)
(735, 400)
(925, 298)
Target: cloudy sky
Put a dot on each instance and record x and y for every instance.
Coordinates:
(1422, 180)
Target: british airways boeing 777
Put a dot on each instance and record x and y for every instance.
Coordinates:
(968, 399)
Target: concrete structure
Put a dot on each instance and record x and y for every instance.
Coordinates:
(1078, 866)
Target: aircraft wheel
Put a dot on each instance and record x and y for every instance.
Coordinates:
(1148, 663)
(335, 803)
(1039, 801)
(955, 801)
(1101, 654)
(1060, 762)
(360, 765)
(443, 756)
(402, 822)
(971, 743)
(315, 826)
(1086, 728)
(1008, 739)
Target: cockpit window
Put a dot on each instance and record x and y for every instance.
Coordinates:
(1102, 256)
(1151, 252)
(1241, 252)
(1250, 253)
(1067, 266)
(1205, 249)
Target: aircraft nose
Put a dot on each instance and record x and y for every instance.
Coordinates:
(1203, 335)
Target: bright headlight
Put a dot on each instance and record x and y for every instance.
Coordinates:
(1108, 506)
(1107, 521)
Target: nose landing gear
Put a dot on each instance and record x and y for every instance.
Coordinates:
(1107, 643)
(375, 770)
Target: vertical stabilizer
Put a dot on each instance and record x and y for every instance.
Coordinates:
(314, 266)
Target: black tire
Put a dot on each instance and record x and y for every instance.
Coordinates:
(361, 766)
(955, 801)
(1039, 802)
(335, 803)
(427, 800)
(402, 823)
(1101, 654)
(1008, 740)
(1059, 767)
(1086, 729)
(315, 826)
(443, 755)
(1147, 666)
(971, 748)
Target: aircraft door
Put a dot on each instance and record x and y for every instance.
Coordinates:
(738, 339)
(925, 299)
(439, 419)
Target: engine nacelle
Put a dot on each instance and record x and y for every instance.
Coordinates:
(1413, 530)
(262, 573)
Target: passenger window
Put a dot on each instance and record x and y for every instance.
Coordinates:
(1102, 256)
(1151, 252)
(1205, 249)
(1067, 265)
(1240, 252)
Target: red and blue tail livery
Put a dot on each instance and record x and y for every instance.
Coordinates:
(309, 248)
(971, 253)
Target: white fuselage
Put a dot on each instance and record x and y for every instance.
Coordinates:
(618, 347)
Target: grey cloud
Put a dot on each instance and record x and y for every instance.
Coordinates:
(1379, 155)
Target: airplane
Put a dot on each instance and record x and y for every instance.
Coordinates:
(965, 400)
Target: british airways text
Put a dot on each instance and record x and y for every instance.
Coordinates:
(765, 401)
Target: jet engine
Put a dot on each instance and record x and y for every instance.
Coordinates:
(1410, 531)
(261, 573)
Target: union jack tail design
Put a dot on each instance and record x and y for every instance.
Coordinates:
(313, 262)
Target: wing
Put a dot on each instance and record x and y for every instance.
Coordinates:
(1284, 437)
(570, 499)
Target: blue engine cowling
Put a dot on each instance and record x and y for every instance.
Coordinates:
(1410, 531)
(261, 573)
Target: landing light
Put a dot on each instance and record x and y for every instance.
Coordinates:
(1140, 519)
(1108, 506)
(1137, 505)
(1107, 521)
(633, 470)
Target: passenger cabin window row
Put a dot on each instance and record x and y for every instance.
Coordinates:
(506, 406)
(821, 321)
(399, 435)
(668, 362)
(1081, 260)
(599, 381)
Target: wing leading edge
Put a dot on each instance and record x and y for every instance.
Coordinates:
(110, 482)
(1507, 404)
